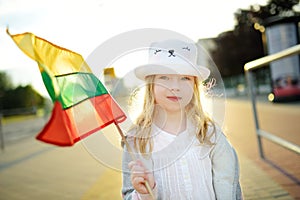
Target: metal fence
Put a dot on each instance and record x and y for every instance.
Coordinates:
(259, 63)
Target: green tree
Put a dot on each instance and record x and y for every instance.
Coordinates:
(258, 14)
(244, 43)
(5, 85)
(235, 48)
(5, 82)
(24, 97)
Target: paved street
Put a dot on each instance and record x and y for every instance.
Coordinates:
(282, 165)
(18, 130)
(30, 169)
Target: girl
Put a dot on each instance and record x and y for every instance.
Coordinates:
(182, 153)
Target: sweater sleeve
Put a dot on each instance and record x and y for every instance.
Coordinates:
(128, 192)
(225, 169)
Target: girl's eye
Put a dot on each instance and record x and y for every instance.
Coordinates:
(186, 78)
(164, 77)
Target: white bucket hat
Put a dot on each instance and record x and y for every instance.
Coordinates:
(172, 57)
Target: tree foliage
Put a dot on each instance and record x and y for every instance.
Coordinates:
(235, 48)
(21, 97)
(5, 82)
(244, 43)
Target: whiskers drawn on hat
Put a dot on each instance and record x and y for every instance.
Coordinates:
(172, 57)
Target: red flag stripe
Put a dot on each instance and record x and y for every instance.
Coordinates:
(66, 127)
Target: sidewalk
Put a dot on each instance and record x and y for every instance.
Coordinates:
(281, 166)
(32, 170)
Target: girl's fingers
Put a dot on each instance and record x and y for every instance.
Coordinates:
(131, 164)
(134, 163)
(139, 184)
(138, 172)
(139, 175)
(137, 180)
(137, 166)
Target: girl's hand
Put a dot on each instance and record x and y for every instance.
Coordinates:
(139, 175)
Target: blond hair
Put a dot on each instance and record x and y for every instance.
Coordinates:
(194, 110)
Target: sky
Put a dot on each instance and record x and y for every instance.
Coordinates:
(83, 25)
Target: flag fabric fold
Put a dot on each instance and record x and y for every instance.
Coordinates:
(82, 105)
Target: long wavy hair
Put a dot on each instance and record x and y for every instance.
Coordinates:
(142, 138)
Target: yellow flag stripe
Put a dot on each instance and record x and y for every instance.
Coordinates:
(58, 60)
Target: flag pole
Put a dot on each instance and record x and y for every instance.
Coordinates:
(133, 157)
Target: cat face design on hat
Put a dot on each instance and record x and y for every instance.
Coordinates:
(172, 57)
(171, 51)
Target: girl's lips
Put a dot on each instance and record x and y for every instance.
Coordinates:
(174, 98)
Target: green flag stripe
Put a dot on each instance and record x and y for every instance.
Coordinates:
(76, 87)
(49, 85)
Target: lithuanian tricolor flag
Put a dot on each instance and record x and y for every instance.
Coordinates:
(82, 105)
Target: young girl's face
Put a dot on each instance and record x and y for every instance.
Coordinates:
(173, 92)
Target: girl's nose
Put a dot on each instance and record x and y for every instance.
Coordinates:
(174, 85)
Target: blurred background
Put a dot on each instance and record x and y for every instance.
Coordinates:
(232, 32)
(251, 32)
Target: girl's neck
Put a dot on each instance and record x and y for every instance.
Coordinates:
(174, 122)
